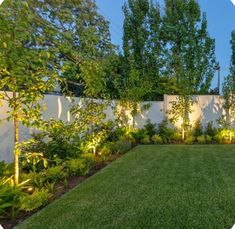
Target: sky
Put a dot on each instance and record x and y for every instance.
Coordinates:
(221, 22)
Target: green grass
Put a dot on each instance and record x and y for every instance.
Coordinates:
(175, 186)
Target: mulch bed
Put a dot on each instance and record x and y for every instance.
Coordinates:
(58, 192)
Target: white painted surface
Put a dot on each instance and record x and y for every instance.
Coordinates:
(208, 108)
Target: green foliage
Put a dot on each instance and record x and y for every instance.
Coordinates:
(157, 139)
(138, 135)
(43, 178)
(93, 141)
(208, 139)
(9, 198)
(58, 139)
(116, 134)
(180, 110)
(121, 147)
(79, 166)
(177, 137)
(150, 128)
(201, 139)
(189, 50)
(197, 129)
(35, 200)
(146, 140)
(166, 133)
(189, 140)
(33, 161)
(106, 150)
(210, 130)
(6, 170)
(225, 136)
(228, 119)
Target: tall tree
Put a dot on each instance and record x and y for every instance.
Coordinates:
(189, 49)
(229, 92)
(79, 38)
(24, 69)
(142, 48)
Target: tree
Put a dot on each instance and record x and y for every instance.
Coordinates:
(190, 52)
(229, 93)
(79, 38)
(142, 47)
(24, 69)
(180, 109)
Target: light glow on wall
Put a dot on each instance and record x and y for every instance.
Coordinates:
(233, 1)
(1, 1)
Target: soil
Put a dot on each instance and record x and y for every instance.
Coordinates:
(59, 190)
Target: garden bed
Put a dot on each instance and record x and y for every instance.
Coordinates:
(59, 190)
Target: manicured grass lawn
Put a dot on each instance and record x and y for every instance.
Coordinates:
(173, 186)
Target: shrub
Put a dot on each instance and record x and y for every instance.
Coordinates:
(210, 130)
(9, 198)
(146, 140)
(157, 139)
(51, 175)
(136, 136)
(93, 142)
(5, 169)
(121, 147)
(35, 200)
(223, 136)
(197, 129)
(55, 173)
(59, 139)
(208, 139)
(166, 132)
(176, 137)
(201, 139)
(107, 149)
(150, 128)
(77, 167)
(189, 140)
(33, 162)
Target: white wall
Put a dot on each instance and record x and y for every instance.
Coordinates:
(208, 108)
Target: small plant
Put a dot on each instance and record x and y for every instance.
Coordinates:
(189, 140)
(121, 147)
(93, 141)
(157, 139)
(224, 136)
(35, 200)
(208, 139)
(210, 130)
(34, 161)
(145, 140)
(138, 135)
(166, 132)
(9, 198)
(176, 137)
(76, 167)
(201, 139)
(197, 129)
(150, 128)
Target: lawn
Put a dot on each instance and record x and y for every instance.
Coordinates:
(173, 186)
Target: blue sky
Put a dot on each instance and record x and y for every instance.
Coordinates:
(221, 22)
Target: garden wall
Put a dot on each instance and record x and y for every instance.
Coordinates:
(208, 108)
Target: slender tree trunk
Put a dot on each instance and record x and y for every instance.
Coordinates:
(183, 134)
(133, 121)
(94, 151)
(16, 141)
